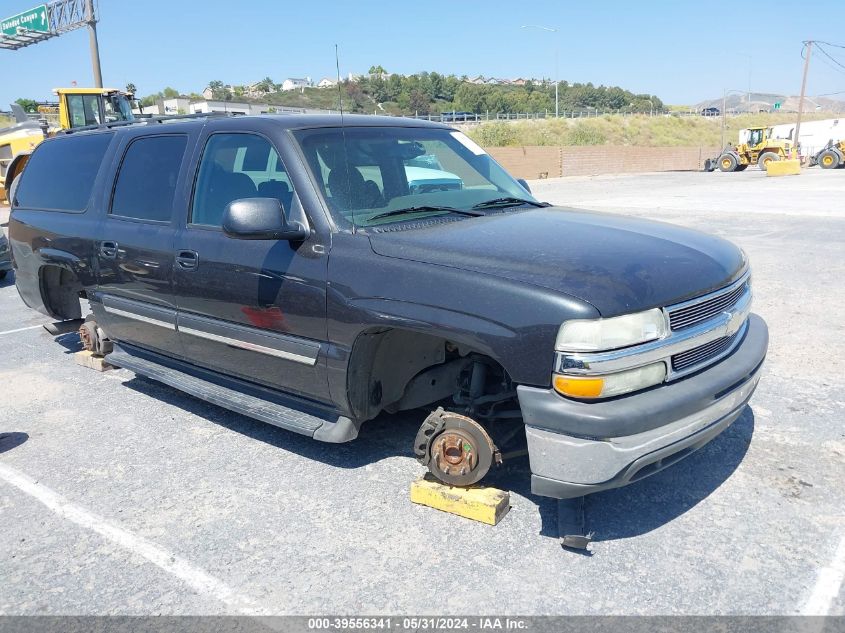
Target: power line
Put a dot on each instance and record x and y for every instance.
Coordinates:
(830, 57)
(831, 66)
(829, 44)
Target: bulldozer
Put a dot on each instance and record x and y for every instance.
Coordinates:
(758, 149)
(75, 108)
(831, 156)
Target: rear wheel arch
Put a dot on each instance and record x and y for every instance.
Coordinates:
(61, 291)
(15, 168)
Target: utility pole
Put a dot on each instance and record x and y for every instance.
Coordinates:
(801, 99)
(724, 107)
(91, 19)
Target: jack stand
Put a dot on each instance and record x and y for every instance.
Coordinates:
(571, 524)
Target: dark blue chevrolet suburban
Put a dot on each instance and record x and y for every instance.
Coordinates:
(313, 272)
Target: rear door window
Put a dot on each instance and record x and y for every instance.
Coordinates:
(146, 183)
(60, 174)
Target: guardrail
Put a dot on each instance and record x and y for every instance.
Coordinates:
(583, 113)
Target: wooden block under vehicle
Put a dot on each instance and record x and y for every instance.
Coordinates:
(479, 503)
(87, 359)
(784, 168)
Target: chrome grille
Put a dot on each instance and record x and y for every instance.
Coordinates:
(695, 312)
(702, 353)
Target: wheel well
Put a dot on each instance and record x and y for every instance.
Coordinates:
(61, 292)
(394, 370)
(15, 168)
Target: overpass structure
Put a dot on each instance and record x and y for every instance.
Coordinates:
(49, 20)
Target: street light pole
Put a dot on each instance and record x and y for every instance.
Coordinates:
(724, 110)
(557, 57)
(91, 19)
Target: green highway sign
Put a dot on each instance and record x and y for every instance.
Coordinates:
(777, 105)
(36, 20)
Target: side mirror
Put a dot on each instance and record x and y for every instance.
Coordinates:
(260, 219)
(524, 184)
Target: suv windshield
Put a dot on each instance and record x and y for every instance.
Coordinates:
(371, 176)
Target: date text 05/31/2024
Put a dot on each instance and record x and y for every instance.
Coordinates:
(429, 623)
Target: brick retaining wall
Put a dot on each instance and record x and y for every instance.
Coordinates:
(552, 162)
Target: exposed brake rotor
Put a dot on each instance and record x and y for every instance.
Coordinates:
(456, 449)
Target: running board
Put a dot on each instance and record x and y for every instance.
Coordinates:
(234, 395)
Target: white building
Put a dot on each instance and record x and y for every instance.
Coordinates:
(186, 106)
(296, 84)
(326, 82)
(814, 134)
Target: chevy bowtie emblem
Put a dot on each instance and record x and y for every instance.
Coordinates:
(731, 323)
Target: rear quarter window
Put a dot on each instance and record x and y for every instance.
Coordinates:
(60, 174)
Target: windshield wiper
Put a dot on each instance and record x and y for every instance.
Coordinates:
(508, 201)
(422, 208)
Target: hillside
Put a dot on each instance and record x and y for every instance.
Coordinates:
(426, 93)
(765, 101)
(638, 130)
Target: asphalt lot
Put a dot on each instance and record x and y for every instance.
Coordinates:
(128, 497)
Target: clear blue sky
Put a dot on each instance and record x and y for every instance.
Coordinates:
(680, 50)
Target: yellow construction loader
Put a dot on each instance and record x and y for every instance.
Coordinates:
(75, 108)
(758, 149)
(831, 156)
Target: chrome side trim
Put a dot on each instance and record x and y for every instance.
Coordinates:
(595, 363)
(253, 347)
(138, 317)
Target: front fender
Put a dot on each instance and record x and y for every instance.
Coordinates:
(513, 323)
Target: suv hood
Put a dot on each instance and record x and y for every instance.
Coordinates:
(618, 264)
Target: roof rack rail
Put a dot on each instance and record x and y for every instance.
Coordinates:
(154, 119)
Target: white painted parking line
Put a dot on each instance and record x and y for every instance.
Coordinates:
(21, 329)
(827, 585)
(199, 580)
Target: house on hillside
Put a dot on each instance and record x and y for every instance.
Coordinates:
(293, 83)
(519, 81)
(326, 82)
(255, 90)
(208, 93)
(477, 80)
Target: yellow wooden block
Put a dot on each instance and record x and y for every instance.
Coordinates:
(87, 359)
(790, 167)
(478, 503)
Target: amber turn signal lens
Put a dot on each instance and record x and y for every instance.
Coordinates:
(579, 386)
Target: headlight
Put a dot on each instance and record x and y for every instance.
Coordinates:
(595, 335)
(591, 387)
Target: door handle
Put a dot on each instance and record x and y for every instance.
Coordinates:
(108, 250)
(187, 260)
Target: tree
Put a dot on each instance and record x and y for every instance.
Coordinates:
(28, 105)
(130, 88)
(218, 90)
(170, 93)
(266, 85)
(419, 102)
(378, 71)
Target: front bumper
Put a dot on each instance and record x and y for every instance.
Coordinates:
(577, 448)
